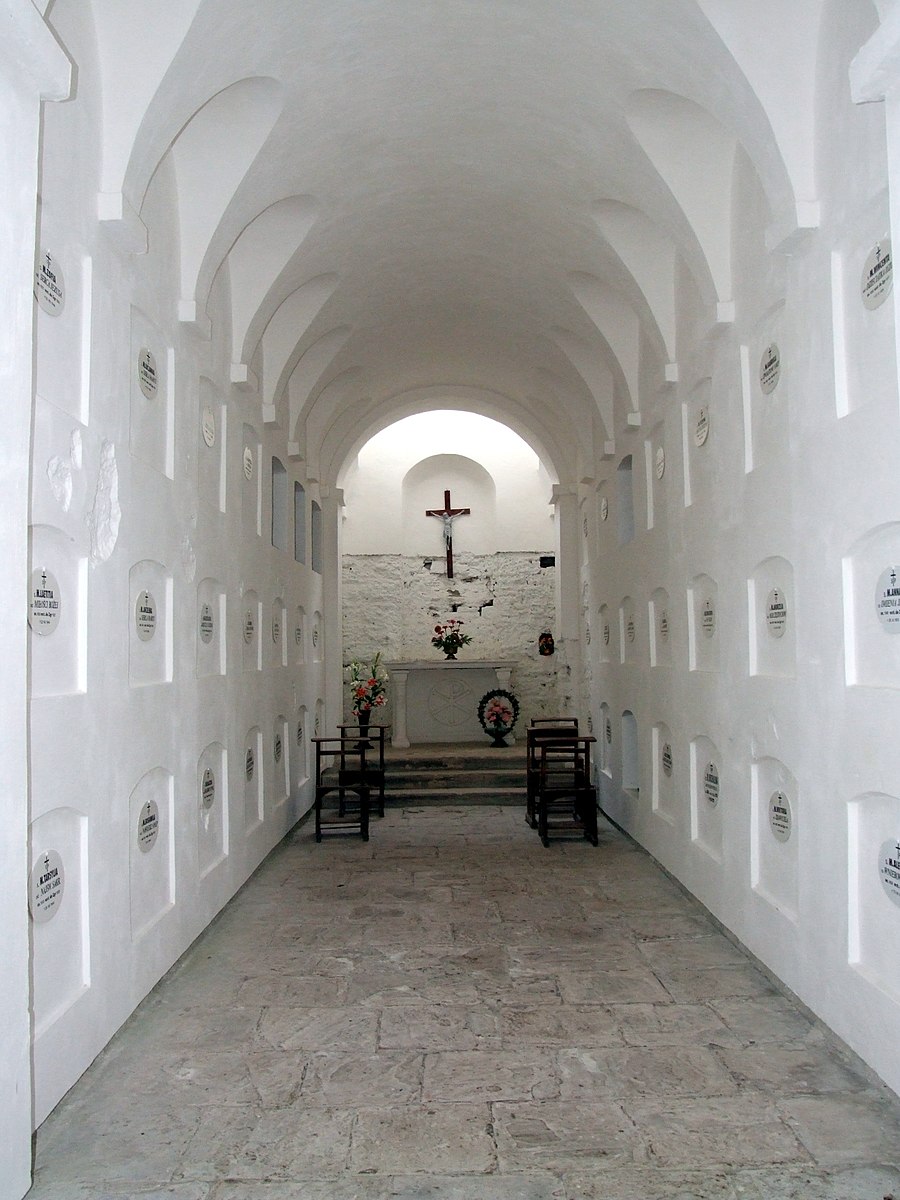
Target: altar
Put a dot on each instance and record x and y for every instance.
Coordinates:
(437, 700)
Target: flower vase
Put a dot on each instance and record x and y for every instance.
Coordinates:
(363, 717)
(448, 656)
(498, 735)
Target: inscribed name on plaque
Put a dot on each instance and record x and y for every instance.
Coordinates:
(148, 378)
(145, 616)
(776, 613)
(44, 602)
(249, 763)
(208, 425)
(769, 369)
(711, 783)
(148, 826)
(208, 789)
(889, 869)
(248, 463)
(49, 285)
(708, 618)
(278, 747)
(877, 275)
(249, 626)
(660, 462)
(887, 599)
(667, 759)
(45, 887)
(701, 426)
(780, 816)
(207, 623)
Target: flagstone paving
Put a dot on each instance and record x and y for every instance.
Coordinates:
(451, 1011)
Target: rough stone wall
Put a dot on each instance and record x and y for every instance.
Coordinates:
(392, 603)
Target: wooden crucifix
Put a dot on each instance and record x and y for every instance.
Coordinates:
(448, 515)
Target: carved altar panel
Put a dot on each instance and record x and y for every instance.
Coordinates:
(438, 701)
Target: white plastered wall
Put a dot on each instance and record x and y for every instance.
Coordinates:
(134, 494)
(796, 492)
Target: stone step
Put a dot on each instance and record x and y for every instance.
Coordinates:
(453, 797)
(447, 779)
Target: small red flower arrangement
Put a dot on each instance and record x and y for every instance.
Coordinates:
(449, 637)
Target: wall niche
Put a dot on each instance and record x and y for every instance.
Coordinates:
(254, 795)
(149, 624)
(628, 631)
(873, 827)
(278, 634)
(152, 394)
(251, 482)
(774, 850)
(212, 443)
(871, 586)
(56, 614)
(666, 786)
(706, 797)
(58, 903)
(703, 623)
(281, 761)
(697, 454)
(772, 624)
(211, 617)
(251, 642)
(212, 808)
(604, 621)
(151, 850)
(659, 613)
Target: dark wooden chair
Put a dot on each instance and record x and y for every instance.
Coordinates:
(375, 734)
(342, 767)
(540, 731)
(566, 798)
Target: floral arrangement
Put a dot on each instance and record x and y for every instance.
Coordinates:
(368, 685)
(498, 711)
(449, 637)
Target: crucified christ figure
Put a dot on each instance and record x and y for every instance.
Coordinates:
(448, 515)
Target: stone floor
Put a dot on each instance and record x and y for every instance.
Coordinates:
(451, 1011)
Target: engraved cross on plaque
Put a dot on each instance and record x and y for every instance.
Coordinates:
(448, 515)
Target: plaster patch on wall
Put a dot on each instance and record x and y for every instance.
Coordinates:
(105, 515)
(188, 557)
(59, 472)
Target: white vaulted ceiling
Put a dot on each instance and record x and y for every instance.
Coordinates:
(422, 199)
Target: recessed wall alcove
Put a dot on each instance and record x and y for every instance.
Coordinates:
(281, 761)
(151, 370)
(149, 619)
(212, 808)
(607, 641)
(251, 639)
(629, 636)
(63, 328)
(703, 623)
(698, 446)
(864, 340)
(151, 850)
(212, 444)
(656, 468)
(60, 929)
(253, 774)
(298, 636)
(625, 501)
(659, 613)
(669, 775)
(706, 797)
(772, 623)
(775, 835)
(605, 740)
(300, 753)
(765, 389)
(871, 586)
(316, 637)
(631, 769)
(211, 626)
(250, 468)
(277, 634)
(57, 616)
(873, 901)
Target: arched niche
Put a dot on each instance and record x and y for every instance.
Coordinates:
(470, 486)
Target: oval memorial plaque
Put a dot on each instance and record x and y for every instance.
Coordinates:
(145, 616)
(46, 886)
(44, 602)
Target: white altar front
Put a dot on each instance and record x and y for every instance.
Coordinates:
(437, 701)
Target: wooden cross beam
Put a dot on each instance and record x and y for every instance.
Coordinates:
(448, 515)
